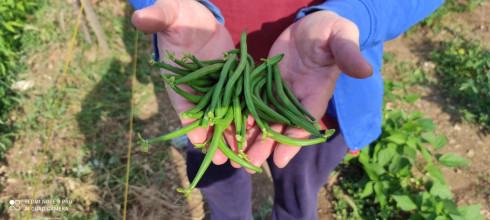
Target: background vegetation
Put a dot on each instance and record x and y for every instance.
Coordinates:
(405, 174)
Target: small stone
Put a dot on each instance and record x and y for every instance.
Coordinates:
(457, 146)
(470, 153)
(457, 128)
(22, 85)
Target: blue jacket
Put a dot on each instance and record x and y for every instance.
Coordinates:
(356, 103)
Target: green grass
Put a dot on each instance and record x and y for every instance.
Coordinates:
(89, 144)
(463, 70)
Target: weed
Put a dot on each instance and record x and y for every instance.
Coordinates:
(463, 70)
(397, 177)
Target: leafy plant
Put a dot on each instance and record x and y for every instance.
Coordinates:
(397, 177)
(463, 68)
(433, 20)
(12, 20)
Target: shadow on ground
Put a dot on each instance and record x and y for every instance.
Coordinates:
(104, 122)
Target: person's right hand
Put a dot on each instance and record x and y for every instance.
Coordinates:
(185, 26)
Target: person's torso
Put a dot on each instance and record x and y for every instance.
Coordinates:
(265, 19)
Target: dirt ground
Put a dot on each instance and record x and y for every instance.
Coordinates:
(470, 184)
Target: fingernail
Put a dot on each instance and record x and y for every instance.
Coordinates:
(283, 162)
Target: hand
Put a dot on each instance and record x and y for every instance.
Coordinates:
(185, 26)
(316, 49)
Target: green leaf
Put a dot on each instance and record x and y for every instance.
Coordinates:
(425, 201)
(415, 116)
(404, 202)
(427, 124)
(457, 217)
(373, 170)
(427, 155)
(436, 173)
(8, 26)
(441, 190)
(412, 98)
(400, 165)
(397, 138)
(452, 160)
(368, 190)
(380, 196)
(436, 142)
(385, 156)
(471, 212)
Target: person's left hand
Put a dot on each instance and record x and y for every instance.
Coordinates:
(316, 49)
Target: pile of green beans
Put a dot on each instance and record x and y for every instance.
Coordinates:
(230, 89)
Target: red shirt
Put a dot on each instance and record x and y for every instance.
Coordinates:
(265, 20)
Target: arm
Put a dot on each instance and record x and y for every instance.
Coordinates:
(378, 21)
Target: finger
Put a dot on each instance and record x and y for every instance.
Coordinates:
(250, 122)
(260, 150)
(251, 132)
(346, 51)
(284, 153)
(219, 157)
(250, 136)
(157, 17)
(230, 137)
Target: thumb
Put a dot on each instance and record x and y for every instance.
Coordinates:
(347, 53)
(157, 17)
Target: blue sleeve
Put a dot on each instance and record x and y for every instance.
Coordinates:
(140, 4)
(378, 21)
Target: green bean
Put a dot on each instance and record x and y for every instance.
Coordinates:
(190, 97)
(241, 136)
(203, 82)
(185, 65)
(173, 134)
(293, 141)
(196, 115)
(170, 68)
(211, 62)
(280, 92)
(219, 85)
(204, 101)
(202, 146)
(217, 136)
(196, 61)
(240, 126)
(237, 114)
(299, 121)
(261, 68)
(239, 87)
(239, 70)
(199, 73)
(248, 98)
(225, 120)
(267, 117)
(205, 118)
(295, 101)
(265, 108)
(235, 158)
(198, 88)
(258, 86)
(171, 56)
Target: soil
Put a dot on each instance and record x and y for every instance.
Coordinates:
(470, 184)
